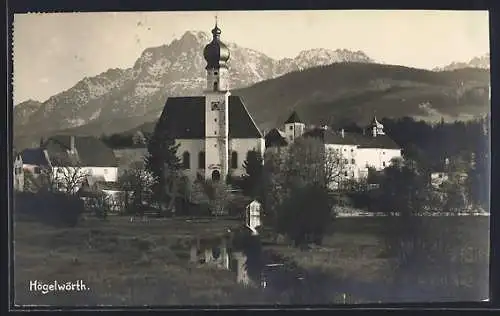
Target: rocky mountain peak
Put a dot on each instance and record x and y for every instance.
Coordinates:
(173, 69)
(482, 62)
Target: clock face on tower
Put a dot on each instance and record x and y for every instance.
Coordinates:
(215, 106)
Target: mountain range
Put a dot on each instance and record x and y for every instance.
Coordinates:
(321, 83)
(482, 62)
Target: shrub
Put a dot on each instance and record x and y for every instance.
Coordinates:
(52, 208)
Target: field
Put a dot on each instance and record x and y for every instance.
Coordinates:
(146, 263)
(123, 263)
(353, 258)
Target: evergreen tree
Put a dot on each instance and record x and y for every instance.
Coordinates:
(163, 163)
(254, 168)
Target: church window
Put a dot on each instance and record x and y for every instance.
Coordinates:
(215, 106)
(345, 173)
(201, 160)
(215, 132)
(215, 120)
(234, 160)
(215, 85)
(185, 160)
(383, 163)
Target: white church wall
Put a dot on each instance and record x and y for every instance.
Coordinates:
(242, 146)
(193, 147)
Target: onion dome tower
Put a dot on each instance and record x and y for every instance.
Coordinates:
(216, 53)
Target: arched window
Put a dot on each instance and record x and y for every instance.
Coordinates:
(215, 85)
(234, 160)
(185, 160)
(201, 160)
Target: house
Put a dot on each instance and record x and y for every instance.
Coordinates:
(35, 160)
(355, 152)
(18, 175)
(214, 131)
(448, 172)
(72, 159)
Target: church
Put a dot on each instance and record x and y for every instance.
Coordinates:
(214, 131)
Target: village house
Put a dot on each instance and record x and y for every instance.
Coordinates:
(355, 153)
(75, 159)
(215, 132)
(444, 173)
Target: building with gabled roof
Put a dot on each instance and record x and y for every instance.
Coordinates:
(64, 154)
(356, 152)
(215, 131)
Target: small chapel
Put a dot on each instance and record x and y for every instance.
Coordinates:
(214, 131)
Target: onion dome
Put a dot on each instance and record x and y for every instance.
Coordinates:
(216, 53)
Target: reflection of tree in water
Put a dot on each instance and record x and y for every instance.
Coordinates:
(251, 246)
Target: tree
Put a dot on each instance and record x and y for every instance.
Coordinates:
(420, 245)
(218, 196)
(67, 179)
(308, 161)
(138, 181)
(306, 214)
(403, 196)
(63, 178)
(254, 168)
(164, 165)
(296, 179)
(274, 186)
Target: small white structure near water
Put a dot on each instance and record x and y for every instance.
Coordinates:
(252, 216)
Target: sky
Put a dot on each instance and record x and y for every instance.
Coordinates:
(53, 51)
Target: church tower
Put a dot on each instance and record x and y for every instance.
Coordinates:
(376, 127)
(294, 127)
(217, 95)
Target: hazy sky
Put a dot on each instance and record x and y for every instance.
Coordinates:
(54, 51)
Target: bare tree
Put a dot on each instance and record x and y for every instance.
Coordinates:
(309, 160)
(67, 178)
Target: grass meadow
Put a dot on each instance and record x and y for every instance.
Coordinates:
(128, 263)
